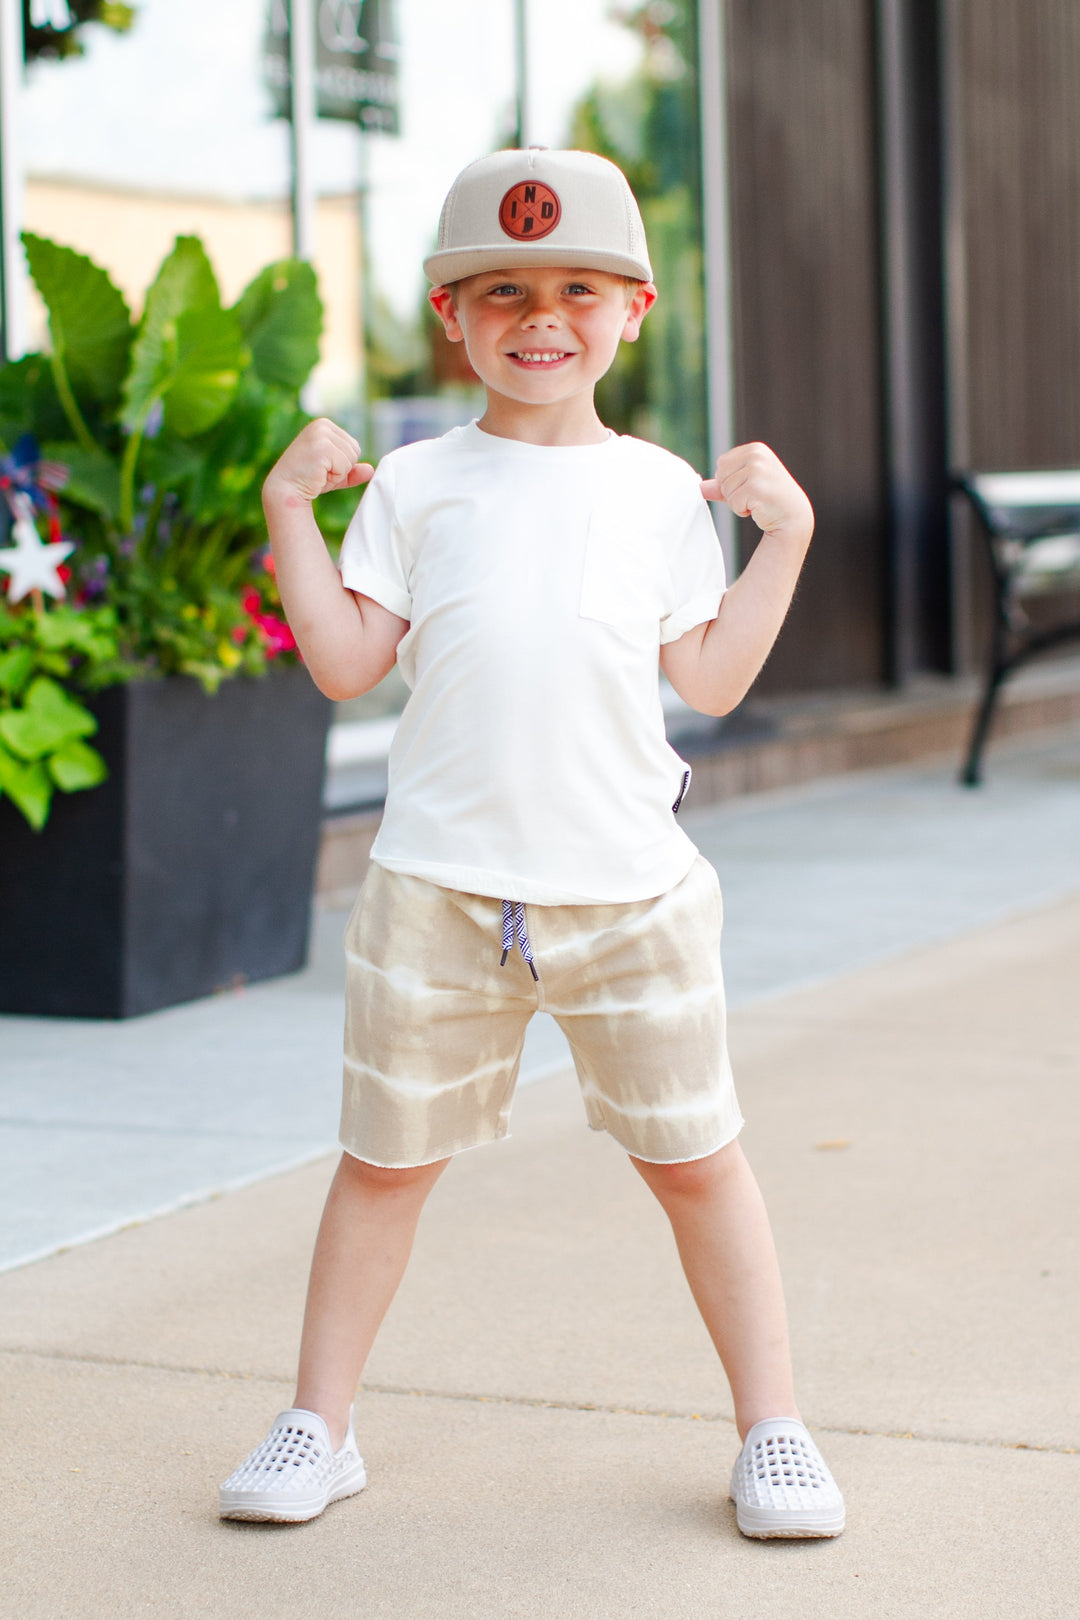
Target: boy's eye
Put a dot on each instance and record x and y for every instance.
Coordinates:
(577, 287)
(505, 289)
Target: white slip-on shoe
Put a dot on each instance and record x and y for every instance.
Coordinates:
(294, 1473)
(781, 1486)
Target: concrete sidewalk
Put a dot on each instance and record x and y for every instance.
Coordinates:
(547, 1432)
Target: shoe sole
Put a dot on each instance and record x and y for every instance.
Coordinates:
(759, 1524)
(268, 1509)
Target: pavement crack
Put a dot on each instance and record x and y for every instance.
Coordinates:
(539, 1402)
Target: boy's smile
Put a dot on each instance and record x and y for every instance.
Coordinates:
(539, 357)
(540, 338)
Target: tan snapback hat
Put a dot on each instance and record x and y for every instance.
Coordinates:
(539, 207)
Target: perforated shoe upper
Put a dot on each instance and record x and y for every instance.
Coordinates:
(294, 1473)
(781, 1484)
(296, 1454)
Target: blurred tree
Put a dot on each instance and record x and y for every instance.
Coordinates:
(396, 350)
(649, 126)
(410, 355)
(52, 28)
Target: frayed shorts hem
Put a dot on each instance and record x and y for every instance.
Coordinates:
(689, 1158)
(434, 1158)
(504, 1136)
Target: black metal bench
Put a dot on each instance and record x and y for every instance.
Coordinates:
(1031, 524)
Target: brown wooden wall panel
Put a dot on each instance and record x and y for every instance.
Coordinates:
(1019, 125)
(807, 326)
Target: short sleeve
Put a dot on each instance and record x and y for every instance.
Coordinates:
(372, 560)
(696, 567)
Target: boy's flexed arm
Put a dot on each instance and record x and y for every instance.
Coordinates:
(713, 666)
(348, 642)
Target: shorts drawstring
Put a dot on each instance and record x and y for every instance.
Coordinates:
(514, 922)
(514, 910)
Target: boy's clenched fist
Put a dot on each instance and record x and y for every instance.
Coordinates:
(754, 482)
(321, 458)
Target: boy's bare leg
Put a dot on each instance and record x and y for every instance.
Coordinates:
(364, 1242)
(722, 1231)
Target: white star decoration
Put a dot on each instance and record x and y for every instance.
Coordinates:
(31, 563)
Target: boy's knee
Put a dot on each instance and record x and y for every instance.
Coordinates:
(693, 1178)
(379, 1178)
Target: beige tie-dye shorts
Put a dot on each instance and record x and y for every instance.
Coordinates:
(434, 1026)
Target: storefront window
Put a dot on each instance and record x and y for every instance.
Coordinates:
(627, 89)
(168, 130)
(171, 129)
(639, 107)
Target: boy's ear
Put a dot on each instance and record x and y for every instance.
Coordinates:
(641, 301)
(441, 300)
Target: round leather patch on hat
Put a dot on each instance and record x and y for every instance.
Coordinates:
(529, 211)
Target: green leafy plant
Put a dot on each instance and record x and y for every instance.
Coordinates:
(146, 444)
(43, 728)
(62, 38)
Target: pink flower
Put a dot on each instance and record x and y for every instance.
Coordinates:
(276, 633)
(251, 601)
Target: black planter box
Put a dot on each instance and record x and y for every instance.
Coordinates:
(190, 870)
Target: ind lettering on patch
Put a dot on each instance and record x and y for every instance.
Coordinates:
(529, 211)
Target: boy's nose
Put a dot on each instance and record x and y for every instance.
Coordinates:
(540, 314)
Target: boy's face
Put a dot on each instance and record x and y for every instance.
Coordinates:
(542, 335)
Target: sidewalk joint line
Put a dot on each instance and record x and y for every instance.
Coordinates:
(540, 1402)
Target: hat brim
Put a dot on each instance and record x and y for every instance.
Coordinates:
(456, 263)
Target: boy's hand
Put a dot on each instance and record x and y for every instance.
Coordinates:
(348, 642)
(754, 482)
(321, 457)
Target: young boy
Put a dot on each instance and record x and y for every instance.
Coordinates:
(528, 573)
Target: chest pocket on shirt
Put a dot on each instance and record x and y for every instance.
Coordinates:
(623, 581)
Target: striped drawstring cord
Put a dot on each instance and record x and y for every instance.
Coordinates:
(514, 922)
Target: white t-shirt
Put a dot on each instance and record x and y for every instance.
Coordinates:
(531, 761)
